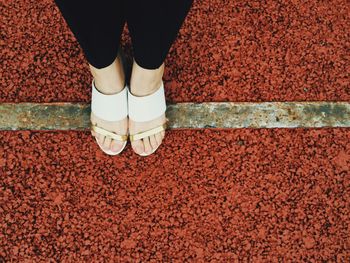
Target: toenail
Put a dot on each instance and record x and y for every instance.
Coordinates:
(115, 148)
(139, 149)
(149, 151)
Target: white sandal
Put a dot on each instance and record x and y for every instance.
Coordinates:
(110, 108)
(147, 108)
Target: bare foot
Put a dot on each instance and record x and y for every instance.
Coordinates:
(145, 82)
(109, 80)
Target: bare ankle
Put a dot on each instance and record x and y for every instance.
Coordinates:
(109, 80)
(143, 88)
(144, 82)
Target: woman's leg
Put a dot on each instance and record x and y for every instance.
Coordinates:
(153, 26)
(97, 26)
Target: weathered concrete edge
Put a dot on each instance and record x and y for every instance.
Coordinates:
(76, 116)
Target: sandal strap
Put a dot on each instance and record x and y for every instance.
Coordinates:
(112, 107)
(140, 135)
(146, 108)
(109, 134)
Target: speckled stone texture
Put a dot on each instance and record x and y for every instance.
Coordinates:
(248, 195)
(257, 195)
(226, 51)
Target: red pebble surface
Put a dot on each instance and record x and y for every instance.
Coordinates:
(226, 51)
(259, 195)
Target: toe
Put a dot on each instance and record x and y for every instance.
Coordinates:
(147, 144)
(138, 146)
(153, 142)
(159, 138)
(107, 143)
(116, 145)
(100, 138)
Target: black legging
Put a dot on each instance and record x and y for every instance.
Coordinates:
(98, 25)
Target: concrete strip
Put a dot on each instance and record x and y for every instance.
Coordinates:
(76, 116)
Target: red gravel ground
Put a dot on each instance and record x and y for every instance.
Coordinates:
(258, 195)
(207, 195)
(226, 51)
